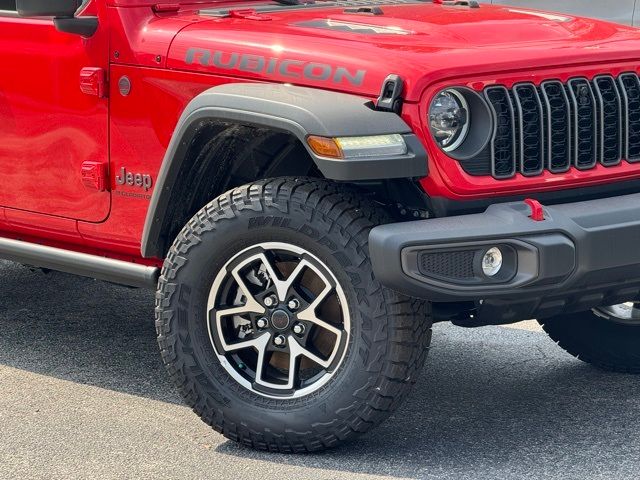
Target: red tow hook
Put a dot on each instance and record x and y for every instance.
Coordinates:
(537, 210)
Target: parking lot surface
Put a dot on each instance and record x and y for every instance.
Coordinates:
(83, 394)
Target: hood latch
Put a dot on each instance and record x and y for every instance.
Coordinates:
(389, 99)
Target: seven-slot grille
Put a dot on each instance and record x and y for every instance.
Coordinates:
(555, 126)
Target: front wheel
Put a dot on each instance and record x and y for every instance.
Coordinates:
(606, 337)
(271, 322)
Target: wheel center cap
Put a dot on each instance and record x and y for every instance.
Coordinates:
(280, 319)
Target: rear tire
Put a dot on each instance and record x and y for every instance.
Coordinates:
(599, 338)
(386, 335)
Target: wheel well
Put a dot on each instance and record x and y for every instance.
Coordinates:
(224, 155)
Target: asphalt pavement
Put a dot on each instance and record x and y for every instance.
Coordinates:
(83, 394)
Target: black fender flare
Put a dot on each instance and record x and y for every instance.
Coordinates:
(300, 111)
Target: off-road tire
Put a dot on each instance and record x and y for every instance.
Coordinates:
(390, 333)
(604, 343)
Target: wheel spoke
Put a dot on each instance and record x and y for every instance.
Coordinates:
(251, 305)
(298, 350)
(283, 286)
(261, 347)
(309, 314)
(259, 343)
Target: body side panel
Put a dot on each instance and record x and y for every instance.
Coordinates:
(140, 136)
(47, 125)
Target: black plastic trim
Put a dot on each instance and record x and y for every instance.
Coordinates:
(520, 260)
(297, 110)
(580, 245)
(390, 94)
(83, 26)
(47, 8)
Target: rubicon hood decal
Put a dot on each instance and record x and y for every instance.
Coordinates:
(333, 48)
(293, 69)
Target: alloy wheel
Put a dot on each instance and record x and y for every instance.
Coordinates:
(626, 313)
(278, 320)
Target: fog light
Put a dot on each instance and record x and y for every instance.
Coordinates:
(492, 262)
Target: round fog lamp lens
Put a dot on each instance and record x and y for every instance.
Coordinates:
(492, 262)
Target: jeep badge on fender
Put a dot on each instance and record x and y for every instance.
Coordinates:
(134, 179)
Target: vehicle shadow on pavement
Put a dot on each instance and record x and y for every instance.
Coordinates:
(81, 330)
(507, 403)
(498, 403)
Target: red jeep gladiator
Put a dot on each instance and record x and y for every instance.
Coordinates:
(310, 184)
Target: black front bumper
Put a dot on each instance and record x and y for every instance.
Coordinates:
(582, 255)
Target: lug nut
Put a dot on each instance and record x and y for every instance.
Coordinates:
(270, 301)
(262, 322)
(298, 329)
(294, 304)
(279, 341)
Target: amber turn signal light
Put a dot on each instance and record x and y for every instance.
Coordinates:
(325, 147)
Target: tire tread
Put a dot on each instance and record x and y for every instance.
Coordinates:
(395, 371)
(597, 341)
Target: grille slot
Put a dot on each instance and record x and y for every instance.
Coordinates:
(610, 125)
(503, 145)
(531, 129)
(558, 126)
(630, 89)
(583, 108)
(554, 126)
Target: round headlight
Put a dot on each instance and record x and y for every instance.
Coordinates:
(449, 119)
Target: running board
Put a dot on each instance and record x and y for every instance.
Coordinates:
(94, 266)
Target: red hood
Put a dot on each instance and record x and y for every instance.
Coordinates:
(421, 42)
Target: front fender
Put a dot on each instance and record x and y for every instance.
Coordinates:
(298, 110)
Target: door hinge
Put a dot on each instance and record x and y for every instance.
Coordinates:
(93, 81)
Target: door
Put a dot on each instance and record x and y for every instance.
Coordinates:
(48, 127)
(620, 11)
